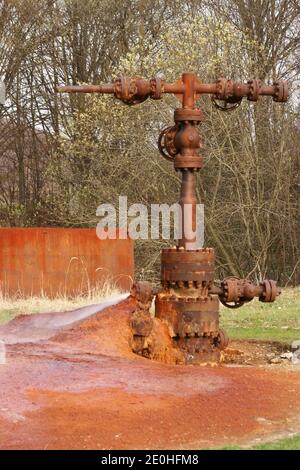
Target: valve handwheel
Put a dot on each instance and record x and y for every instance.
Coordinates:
(234, 304)
(166, 144)
(232, 297)
(234, 104)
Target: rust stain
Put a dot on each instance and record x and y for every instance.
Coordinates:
(84, 388)
(62, 261)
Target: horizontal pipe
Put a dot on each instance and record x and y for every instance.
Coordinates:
(239, 89)
(107, 88)
(173, 88)
(267, 90)
(210, 88)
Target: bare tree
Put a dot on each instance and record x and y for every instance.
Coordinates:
(61, 156)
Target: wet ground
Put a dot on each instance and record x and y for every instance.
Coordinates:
(71, 381)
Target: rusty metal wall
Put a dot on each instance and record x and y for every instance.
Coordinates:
(61, 261)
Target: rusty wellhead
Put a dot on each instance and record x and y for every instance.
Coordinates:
(188, 301)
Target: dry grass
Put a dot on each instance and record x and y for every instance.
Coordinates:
(10, 307)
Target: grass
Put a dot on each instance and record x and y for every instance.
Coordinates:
(278, 321)
(288, 443)
(11, 307)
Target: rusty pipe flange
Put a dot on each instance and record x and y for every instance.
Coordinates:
(281, 91)
(224, 89)
(232, 289)
(157, 88)
(270, 291)
(181, 265)
(185, 114)
(198, 350)
(226, 93)
(254, 90)
(188, 317)
(126, 90)
(232, 296)
(188, 161)
(166, 145)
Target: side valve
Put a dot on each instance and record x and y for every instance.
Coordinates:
(229, 93)
(236, 292)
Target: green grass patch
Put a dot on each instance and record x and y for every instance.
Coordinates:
(288, 443)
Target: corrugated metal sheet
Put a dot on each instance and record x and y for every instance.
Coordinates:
(59, 261)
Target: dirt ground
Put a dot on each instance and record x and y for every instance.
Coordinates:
(79, 386)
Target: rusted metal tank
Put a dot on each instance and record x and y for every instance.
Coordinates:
(62, 261)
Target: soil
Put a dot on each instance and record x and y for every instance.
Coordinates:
(80, 386)
(255, 352)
